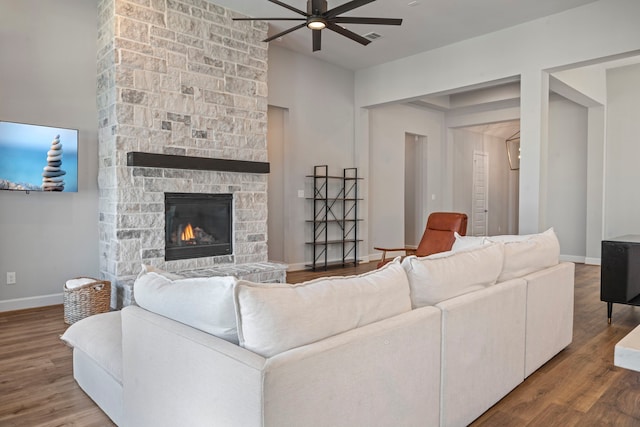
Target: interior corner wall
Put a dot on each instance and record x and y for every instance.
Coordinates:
(387, 128)
(319, 131)
(48, 77)
(621, 204)
(566, 206)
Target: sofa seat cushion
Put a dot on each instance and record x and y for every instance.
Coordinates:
(443, 276)
(100, 338)
(273, 318)
(527, 254)
(205, 303)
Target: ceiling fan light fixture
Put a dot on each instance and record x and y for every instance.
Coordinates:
(316, 23)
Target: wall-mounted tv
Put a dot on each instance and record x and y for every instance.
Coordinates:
(38, 158)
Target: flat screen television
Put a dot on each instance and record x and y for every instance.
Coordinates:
(38, 158)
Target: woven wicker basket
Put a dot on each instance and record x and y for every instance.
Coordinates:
(86, 300)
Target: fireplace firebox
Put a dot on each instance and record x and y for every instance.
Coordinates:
(197, 225)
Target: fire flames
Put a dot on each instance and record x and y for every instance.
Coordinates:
(187, 233)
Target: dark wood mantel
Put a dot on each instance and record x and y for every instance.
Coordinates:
(170, 161)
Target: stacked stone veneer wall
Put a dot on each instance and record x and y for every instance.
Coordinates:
(177, 77)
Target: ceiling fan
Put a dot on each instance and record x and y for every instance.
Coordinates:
(317, 18)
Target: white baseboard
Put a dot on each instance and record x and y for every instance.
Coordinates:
(30, 302)
(296, 267)
(303, 265)
(572, 258)
(580, 259)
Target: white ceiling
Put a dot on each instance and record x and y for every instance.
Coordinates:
(427, 25)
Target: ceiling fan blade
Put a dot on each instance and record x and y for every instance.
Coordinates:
(268, 39)
(269, 19)
(291, 8)
(317, 39)
(374, 21)
(345, 8)
(350, 34)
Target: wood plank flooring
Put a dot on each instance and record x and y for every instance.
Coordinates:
(579, 387)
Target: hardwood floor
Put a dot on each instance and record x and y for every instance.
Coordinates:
(580, 386)
(36, 380)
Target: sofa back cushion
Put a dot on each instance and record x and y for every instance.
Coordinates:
(437, 278)
(528, 253)
(273, 318)
(205, 303)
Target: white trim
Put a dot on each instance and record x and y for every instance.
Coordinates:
(572, 258)
(297, 267)
(303, 265)
(592, 261)
(30, 302)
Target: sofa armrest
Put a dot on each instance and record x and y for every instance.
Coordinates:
(175, 375)
(382, 374)
(549, 313)
(483, 349)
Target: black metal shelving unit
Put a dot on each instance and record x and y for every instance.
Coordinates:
(335, 217)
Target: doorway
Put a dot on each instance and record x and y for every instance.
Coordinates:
(415, 177)
(487, 191)
(276, 117)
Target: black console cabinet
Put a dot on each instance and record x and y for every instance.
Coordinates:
(620, 273)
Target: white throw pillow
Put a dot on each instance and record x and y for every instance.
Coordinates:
(99, 337)
(526, 254)
(151, 269)
(466, 242)
(205, 303)
(273, 318)
(435, 279)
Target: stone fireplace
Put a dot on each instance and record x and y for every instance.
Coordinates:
(181, 81)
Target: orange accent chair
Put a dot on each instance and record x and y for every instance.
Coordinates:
(438, 235)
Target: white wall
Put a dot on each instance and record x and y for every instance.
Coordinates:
(319, 131)
(48, 76)
(387, 128)
(567, 176)
(622, 174)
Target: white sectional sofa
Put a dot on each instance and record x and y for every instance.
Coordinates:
(432, 341)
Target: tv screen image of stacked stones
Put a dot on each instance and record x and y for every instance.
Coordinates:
(53, 175)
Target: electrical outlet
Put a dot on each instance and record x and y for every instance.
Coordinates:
(11, 278)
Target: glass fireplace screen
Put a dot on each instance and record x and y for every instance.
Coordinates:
(197, 225)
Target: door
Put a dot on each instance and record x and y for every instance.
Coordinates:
(480, 194)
